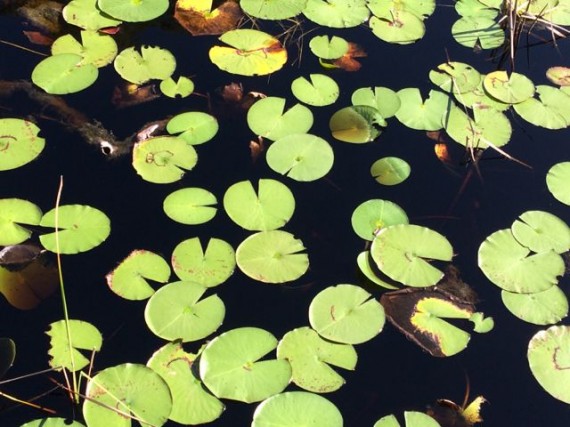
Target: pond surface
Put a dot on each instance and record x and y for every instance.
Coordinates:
(392, 374)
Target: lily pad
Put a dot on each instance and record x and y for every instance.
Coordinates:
(268, 209)
(194, 127)
(558, 182)
(326, 47)
(252, 53)
(81, 228)
(95, 48)
(320, 91)
(542, 308)
(483, 31)
(53, 422)
(151, 63)
(310, 357)
(398, 26)
(337, 13)
(456, 77)
(117, 393)
(373, 215)
(346, 314)
(418, 114)
(548, 355)
(64, 353)
(390, 170)
(190, 205)
(542, 232)
(363, 260)
(176, 311)
(559, 75)
(356, 124)
(402, 253)
(551, 110)
(267, 118)
(130, 278)
(231, 368)
(512, 89)
(272, 257)
(86, 14)
(14, 212)
(489, 128)
(302, 157)
(64, 73)
(163, 159)
(273, 9)
(385, 100)
(411, 418)
(134, 11)
(210, 268)
(183, 87)
(19, 143)
(297, 408)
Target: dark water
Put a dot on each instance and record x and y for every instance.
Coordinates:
(392, 374)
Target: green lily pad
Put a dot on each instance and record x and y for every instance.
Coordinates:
(183, 87)
(510, 265)
(548, 355)
(356, 124)
(398, 26)
(231, 368)
(95, 48)
(558, 182)
(272, 257)
(252, 53)
(542, 232)
(330, 48)
(53, 422)
(484, 31)
(297, 408)
(401, 252)
(163, 159)
(346, 314)
(7, 355)
(489, 128)
(478, 98)
(134, 11)
(411, 418)
(320, 91)
(385, 100)
(559, 75)
(418, 114)
(551, 110)
(209, 268)
(81, 228)
(302, 157)
(390, 170)
(191, 403)
(65, 353)
(151, 63)
(273, 9)
(363, 261)
(117, 393)
(542, 308)
(130, 278)
(337, 13)
(310, 357)
(456, 77)
(194, 127)
(85, 14)
(19, 143)
(373, 215)
(64, 73)
(190, 205)
(14, 212)
(512, 89)
(268, 209)
(175, 311)
(267, 119)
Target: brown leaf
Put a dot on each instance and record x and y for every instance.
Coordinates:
(38, 38)
(224, 18)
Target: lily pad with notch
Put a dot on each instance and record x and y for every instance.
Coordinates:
(418, 114)
(326, 47)
(541, 232)
(268, 118)
(390, 170)
(321, 90)
(190, 205)
(273, 9)
(134, 11)
(337, 13)
(19, 143)
(398, 26)
(194, 127)
(14, 215)
(64, 353)
(357, 124)
(53, 422)
(455, 77)
(372, 273)
(95, 48)
(411, 419)
(85, 14)
(541, 308)
(511, 88)
(373, 215)
(182, 87)
(385, 100)
(551, 110)
(483, 31)
(151, 63)
(64, 73)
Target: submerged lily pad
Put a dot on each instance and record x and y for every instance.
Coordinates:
(373, 215)
(272, 257)
(65, 353)
(390, 170)
(231, 368)
(267, 118)
(13, 213)
(19, 143)
(64, 73)
(558, 182)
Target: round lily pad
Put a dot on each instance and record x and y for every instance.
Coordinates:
(542, 232)
(510, 265)
(81, 228)
(399, 26)
(558, 182)
(373, 215)
(403, 252)
(302, 157)
(273, 9)
(231, 368)
(542, 308)
(512, 89)
(64, 73)
(337, 13)
(551, 110)
(52, 422)
(390, 170)
(85, 14)
(326, 47)
(194, 127)
(346, 314)
(320, 91)
(297, 408)
(272, 257)
(176, 311)
(95, 48)
(385, 100)
(489, 128)
(456, 77)
(483, 31)
(210, 267)
(559, 75)
(151, 63)
(418, 114)
(270, 208)
(548, 357)
(310, 357)
(183, 87)
(14, 212)
(134, 11)
(163, 159)
(267, 118)
(19, 143)
(190, 205)
(356, 124)
(411, 419)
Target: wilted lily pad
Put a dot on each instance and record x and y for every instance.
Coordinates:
(320, 91)
(210, 267)
(542, 232)
(129, 278)
(190, 205)
(65, 354)
(402, 253)
(134, 11)
(346, 314)
(548, 355)
(199, 17)
(231, 368)
(372, 215)
(542, 308)
(297, 408)
(267, 118)
(131, 389)
(81, 228)
(356, 124)
(19, 143)
(272, 257)
(151, 63)
(176, 311)
(14, 212)
(194, 127)
(64, 73)
(163, 159)
(558, 181)
(390, 170)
